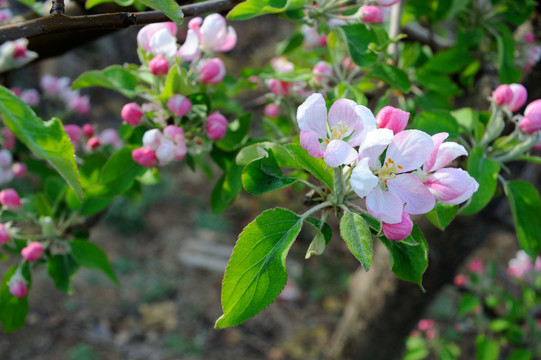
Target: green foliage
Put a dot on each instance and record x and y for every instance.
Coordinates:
(264, 175)
(14, 309)
(252, 8)
(316, 167)
(436, 121)
(486, 349)
(61, 268)
(169, 7)
(442, 215)
(115, 77)
(391, 75)
(358, 39)
(89, 255)
(356, 233)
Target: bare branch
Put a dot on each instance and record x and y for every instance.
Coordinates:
(59, 23)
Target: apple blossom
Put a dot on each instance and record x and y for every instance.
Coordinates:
(212, 71)
(14, 54)
(10, 199)
(503, 94)
(110, 137)
(322, 72)
(79, 103)
(179, 105)
(144, 156)
(17, 285)
(88, 130)
(93, 143)
(530, 124)
(392, 118)
(520, 265)
(159, 38)
(520, 95)
(174, 132)
(30, 97)
(4, 234)
(398, 231)
(6, 159)
(33, 251)
(159, 66)
(5, 14)
(131, 113)
(75, 133)
(529, 37)
(216, 126)
(272, 110)
(19, 169)
(8, 139)
(371, 14)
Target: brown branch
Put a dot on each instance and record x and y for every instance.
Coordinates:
(59, 23)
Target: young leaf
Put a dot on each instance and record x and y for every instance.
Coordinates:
(509, 73)
(486, 349)
(485, 171)
(237, 133)
(252, 8)
(391, 75)
(358, 39)
(258, 150)
(409, 262)
(437, 121)
(264, 175)
(46, 139)
(90, 255)
(169, 7)
(525, 205)
(62, 268)
(256, 272)
(356, 233)
(442, 215)
(114, 77)
(316, 167)
(13, 309)
(321, 239)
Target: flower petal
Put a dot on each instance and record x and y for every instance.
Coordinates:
(451, 186)
(410, 149)
(312, 115)
(213, 31)
(190, 49)
(339, 152)
(384, 206)
(362, 180)
(398, 231)
(447, 152)
(343, 110)
(228, 42)
(163, 43)
(412, 192)
(375, 142)
(310, 142)
(438, 140)
(368, 123)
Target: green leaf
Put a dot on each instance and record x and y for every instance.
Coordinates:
(172, 83)
(437, 121)
(259, 150)
(91, 256)
(525, 205)
(442, 215)
(531, 158)
(114, 77)
(467, 304)
(356, 233)
(520, 354)
(13, 309)
(253, 8)
(264, 175)
(437, 82)
(291, 76)
(449, 61)
(321, 239)
(485, 171)
(290, 44)
(323, 227)
(237, 133)
(358, 39)
(227, 188)
(62, 268)
(256, 272)
(169, 7)
(408, 262)
(91, 3)
(46, 139)
(509, 73)
(391, 75)
(486, 349)
(316, 167)
(468, 120)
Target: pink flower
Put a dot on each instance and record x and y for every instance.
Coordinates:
(49, 84)
(425, 324)
(533, 108)
(519, 97)
(132, 113)
(159, 66)
(80, 104)
(212, 71)
(530, 124)
(272, 110)
(110, 137)
(371, 14)
(32, 252)
(398, 231)
(30, 97)
(4, 234)
(17, 285)
(88, 130)
(5, 14)
(174, 132)
(529, 38)
(323, 72)
(520, 265)
(392, 118)
(74, 132)
(152, 139)
(347, 122)
(10, 199)
(390, 188)
(503, 94)
(460, 280)
(159, 38)
(216, 126)
(179, 105)
(279, 87)
(144, 156)
(477, 266)
(93, 143)
(15, 54)
(9, 139)
(213, 35)
(6, 159)
(19, 169)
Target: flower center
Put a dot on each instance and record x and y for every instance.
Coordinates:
(388, 171)
(338, 131)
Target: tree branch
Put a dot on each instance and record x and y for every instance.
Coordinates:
(59, 23)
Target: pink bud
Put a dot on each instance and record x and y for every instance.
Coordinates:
(451, 185)
(74, 132)
(425, 324)
(19, 169)
(30, 97)
(80, 104)
(322, 41)
(88, 130)
(460, 280)
(93, 143)
(216, 126)
(10, 199)
(32, 252)
(530, 124)
(110, 137)
(131, 113)
(9, 139)
(180, 150)
(529, 38)
(159, 66)
(519, 97)
(399, 230)
(503, 94)
(322, 71)
(533, 108)
(477, 266)
(144, 156)
(212, 71)
(174, 133)
(19, 52)
(18, 287)
(165, 153)
(272, 110)
(4, 234)
(393, 119)
(279, 87)
(372, 14)
(179, 105)
(348, 64)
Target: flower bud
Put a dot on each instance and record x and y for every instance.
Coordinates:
(393, 119)
(88, 130)
(179, 105)
(503, 94)
(80, 104)
(180, 150)
(10, 199)
(398, 231)
(5, 158)
(425, 324)
(519, 97)
(212, 71)
(32, 252)
(451, 186)
(110, 137)
(74, 132)
(19, 169)
(272, 110)
(93, 143)
(279, 87)
(371, 14)
(4, 234)
(533, 108)
(530, 123)
(17, 286)
(477, 266)
(460, 280)
(174, 133)
(322, 71)
(131, 113)
(159, 66)
(216, 126)
(144, 156)
(165, 153)
(9, 139)
(152, 139)
(529, 38)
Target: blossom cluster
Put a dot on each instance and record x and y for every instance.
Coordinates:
(399, 172)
